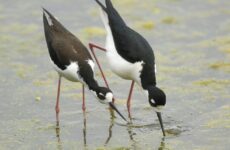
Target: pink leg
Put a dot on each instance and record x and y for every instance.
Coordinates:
(57, 108)
(91, 46)
(129, 98)
(83, 98)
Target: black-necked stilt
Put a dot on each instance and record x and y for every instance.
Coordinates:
(131, 57)
(71, 59)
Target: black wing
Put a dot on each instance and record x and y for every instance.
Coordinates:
(63, 46)
(132, 46)
(129, 44)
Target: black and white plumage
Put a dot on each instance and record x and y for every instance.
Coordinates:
(71, 59)
(130, 56)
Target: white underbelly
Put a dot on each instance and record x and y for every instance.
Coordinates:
(70, 73)
(120, 66)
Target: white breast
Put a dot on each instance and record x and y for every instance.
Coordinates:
(118, 64)
(70, 73)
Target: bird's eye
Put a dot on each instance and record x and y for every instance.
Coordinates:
(152, 101)
(101, 96)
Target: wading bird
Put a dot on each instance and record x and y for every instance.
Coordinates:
(71, 59)
(131, 57)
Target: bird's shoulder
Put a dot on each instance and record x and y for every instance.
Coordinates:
(69, 49)
(131, 45)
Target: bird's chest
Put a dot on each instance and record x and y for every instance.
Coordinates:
(70, 73)
(120, 66)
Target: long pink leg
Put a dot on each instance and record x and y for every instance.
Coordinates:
(83, 98)
(129, 98)
(91, 46)
(57, 108)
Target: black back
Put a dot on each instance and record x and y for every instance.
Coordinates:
(65, 48)
(131, 45)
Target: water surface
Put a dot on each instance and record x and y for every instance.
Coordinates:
(191, 41)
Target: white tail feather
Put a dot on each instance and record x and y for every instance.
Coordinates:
(105, 20)
(48, 19)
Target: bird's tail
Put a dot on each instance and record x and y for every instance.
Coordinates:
(105, 20)
(52, 22)
(103, 13)
(101, 5)
(114, 16)
(48, 18)
(48, 22)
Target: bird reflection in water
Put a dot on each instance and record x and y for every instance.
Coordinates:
(131, 137)
(57, 130)
(129, 129)
(84, 130)
(162, 144)
(110, 127)
(112, 116)
(58, 133)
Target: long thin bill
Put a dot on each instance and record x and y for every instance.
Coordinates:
(161, 123)
(114, 108)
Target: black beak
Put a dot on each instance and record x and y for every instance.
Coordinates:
(161, 123)
(114, 108)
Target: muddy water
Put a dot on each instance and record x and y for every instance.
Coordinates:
(191, 40)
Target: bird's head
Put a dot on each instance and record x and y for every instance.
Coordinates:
(105, 96)
(157, 99)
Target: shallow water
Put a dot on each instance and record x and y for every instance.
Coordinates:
(191, 40)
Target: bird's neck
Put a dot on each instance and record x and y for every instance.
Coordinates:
(93, 85)
(151, 88)
(148, 78)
